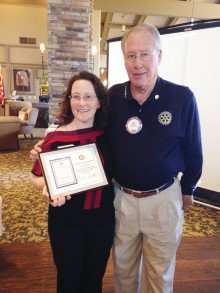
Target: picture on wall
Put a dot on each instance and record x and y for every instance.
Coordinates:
(22, 81)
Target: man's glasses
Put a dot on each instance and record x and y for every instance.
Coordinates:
(77, 98)
(144, 56)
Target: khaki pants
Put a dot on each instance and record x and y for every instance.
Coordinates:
(148, 232)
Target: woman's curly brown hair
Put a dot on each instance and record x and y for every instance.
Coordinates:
(65, 115)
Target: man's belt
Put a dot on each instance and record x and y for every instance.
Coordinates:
(141, 194)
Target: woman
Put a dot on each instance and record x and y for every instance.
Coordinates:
(81, 227)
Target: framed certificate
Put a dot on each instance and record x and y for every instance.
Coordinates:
(71, 170)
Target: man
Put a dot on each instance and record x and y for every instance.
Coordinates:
(155, 132)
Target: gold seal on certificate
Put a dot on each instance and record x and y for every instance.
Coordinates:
(72, 170)
(133, 125)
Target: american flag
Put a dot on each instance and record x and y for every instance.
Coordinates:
(2, 92)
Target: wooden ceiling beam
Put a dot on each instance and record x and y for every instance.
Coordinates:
(108, 19)
(139, 19)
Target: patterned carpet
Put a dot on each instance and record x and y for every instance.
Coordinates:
(24, 212)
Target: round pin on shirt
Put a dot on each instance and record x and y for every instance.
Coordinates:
(133, 125)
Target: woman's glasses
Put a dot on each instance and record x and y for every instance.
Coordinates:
(77, 98)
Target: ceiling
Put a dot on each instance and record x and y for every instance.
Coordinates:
(116, 14)
(119, 15)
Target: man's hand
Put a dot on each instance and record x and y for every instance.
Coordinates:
(37, 149)
(187, 201)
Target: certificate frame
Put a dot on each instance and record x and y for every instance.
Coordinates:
(71, 170)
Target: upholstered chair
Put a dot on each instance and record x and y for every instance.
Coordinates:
(28, 116)
(13, 107)
(9, 129)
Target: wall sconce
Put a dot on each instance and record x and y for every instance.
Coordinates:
(94, 50)
(102, 71)
(42, 48)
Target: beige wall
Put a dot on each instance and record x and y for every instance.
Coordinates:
(22, 21)
(29, 21)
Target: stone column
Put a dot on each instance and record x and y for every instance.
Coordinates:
(69, 44)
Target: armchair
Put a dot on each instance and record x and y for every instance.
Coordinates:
(9, 129)
(13, 107)
(28, 116)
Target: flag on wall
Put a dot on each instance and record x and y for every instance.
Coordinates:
(2, 92)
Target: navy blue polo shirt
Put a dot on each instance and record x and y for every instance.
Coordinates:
(168, 143)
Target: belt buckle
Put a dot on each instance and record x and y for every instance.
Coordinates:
(136, 193)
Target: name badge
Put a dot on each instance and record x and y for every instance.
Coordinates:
(133, 125)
